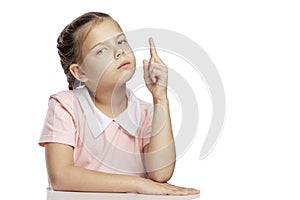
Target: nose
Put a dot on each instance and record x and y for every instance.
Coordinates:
(119, 53)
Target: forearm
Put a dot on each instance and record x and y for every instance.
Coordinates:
(160, 154)
(65, 176)
(84, 180)
(73, 178)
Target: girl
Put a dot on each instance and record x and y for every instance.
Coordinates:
(98, 136)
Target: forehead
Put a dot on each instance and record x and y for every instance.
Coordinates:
(101, 32)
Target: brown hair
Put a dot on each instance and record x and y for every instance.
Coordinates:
(70, 40)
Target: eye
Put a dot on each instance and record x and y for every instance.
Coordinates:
(101, 51)
(122, 41)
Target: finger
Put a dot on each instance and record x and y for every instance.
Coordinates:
(152, 73)
(190, 190)
(153, 77)
(160, 67)
(153, 52)
(185, 189)
(146, 68)
(178, 192)
(160, 76)
(146, 72)
(177, 187)
(174, 191)
(161, 73)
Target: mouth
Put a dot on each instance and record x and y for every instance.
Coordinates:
(124, 65)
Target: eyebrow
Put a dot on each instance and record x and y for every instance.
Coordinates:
(102, 42)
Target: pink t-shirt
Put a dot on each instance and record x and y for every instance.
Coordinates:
(100, 143)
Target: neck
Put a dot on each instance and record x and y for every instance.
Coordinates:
(111, 101)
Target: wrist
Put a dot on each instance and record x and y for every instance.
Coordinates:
(160, 100)
(140, 184)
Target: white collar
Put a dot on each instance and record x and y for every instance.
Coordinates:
(98, 122)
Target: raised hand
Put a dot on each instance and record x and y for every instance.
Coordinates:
(155, 74)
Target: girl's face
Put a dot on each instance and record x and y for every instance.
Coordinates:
(108, 58)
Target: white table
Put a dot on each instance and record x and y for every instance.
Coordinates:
(58, 195)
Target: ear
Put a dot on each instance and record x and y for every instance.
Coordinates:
(77, 72)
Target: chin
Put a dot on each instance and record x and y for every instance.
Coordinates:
(127, 75)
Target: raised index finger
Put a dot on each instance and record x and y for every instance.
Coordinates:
(153, 52)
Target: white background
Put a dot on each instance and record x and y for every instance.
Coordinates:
(255, 46)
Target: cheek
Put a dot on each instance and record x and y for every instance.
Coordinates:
(131, 57)
(128, 51)
(95, 67)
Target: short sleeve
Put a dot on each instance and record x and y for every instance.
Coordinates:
(59, 125)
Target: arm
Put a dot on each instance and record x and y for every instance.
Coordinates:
(160, 154)
(65, 176)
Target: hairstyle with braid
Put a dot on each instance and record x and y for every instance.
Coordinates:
(70, 41)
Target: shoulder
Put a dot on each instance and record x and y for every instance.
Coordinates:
(63, 95)
(64, 98)
(146, 109)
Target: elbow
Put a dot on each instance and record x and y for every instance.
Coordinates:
(161, 177)
(56, 187)
(57, 184)
(59, 181)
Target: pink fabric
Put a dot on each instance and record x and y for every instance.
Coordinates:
(114, 150)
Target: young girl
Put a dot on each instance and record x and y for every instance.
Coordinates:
(98, 136)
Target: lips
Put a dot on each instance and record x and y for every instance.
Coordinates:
(124, 65)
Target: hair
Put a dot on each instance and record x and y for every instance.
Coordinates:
(70, 41)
